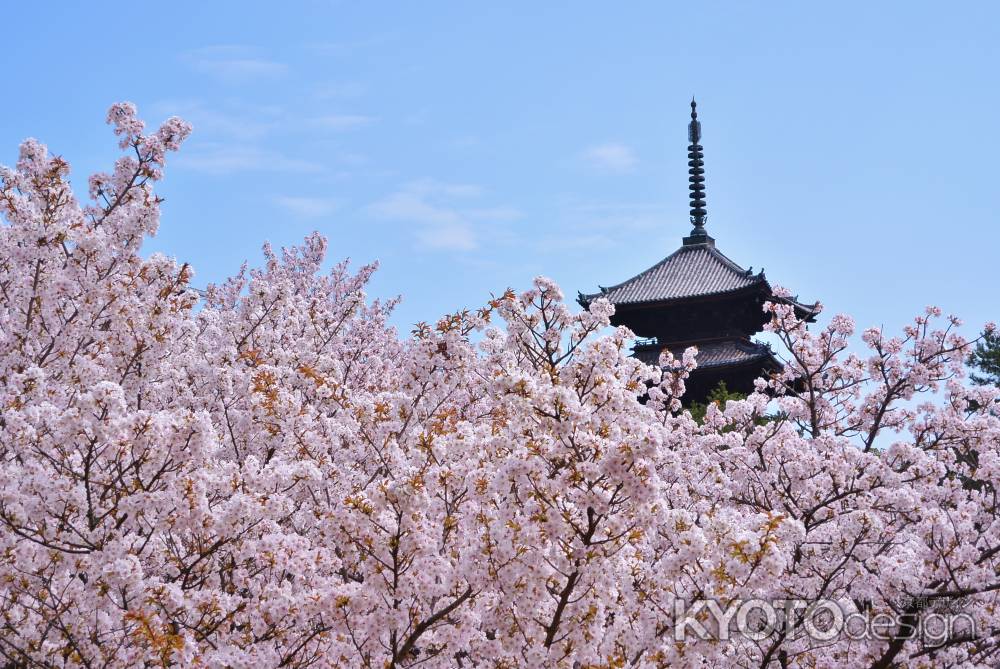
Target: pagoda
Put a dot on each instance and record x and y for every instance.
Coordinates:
(697, 296)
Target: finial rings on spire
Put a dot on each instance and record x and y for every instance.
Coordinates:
(697, 173)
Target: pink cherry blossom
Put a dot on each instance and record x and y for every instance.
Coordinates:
(266, 474)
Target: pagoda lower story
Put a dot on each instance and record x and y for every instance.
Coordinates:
(735, 362)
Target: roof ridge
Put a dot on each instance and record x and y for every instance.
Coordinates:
(645, 271)
(726, 259)
(712, 252)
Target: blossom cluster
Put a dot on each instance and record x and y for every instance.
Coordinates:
(267, 474)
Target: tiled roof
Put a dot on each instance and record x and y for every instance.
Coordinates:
(713, 353)
(691, 271)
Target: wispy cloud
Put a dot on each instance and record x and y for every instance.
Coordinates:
(245, 124)
(627, 217)
(350, 90)
(234, 64)
(465, 142)
(611, 157)
(307, 207)
(219, 159)
(584, 226)
(456, 237)
(350, 47)
(342, 121)
(442, 213)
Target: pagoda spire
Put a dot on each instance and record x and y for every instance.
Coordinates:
(696, 181)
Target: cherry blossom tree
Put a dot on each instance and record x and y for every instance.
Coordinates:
(267, 474)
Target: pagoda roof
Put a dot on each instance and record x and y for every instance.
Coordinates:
(697, 270)
(713, 354)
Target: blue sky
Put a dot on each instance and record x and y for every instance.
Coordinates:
(850, 147)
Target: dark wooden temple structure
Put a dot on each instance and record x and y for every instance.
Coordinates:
(697, 296)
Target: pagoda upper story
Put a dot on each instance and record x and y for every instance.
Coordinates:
(697, 296)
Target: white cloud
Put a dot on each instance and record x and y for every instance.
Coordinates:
(622, 217)
(208, 122)
(218, 159)
(350, 47)
(431, 187)
(465, 142)
(493, 214)
(438, 209)
(234, 64)
(458, 237)
(340, 91)
(405, 205)
(587, 225)
(611, 157)
(586, 242)
(307, 207)
(342, 121)
(351, 158)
